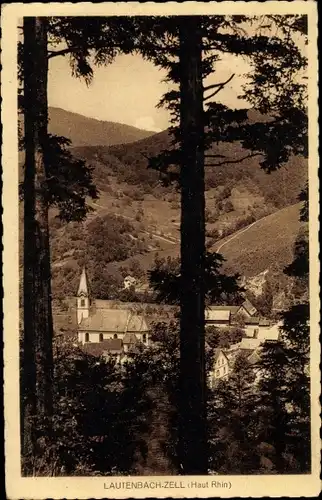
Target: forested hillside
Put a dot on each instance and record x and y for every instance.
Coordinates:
(137, 218)
(129, 162)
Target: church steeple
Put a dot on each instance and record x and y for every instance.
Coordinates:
(82, 298)
(83, 288)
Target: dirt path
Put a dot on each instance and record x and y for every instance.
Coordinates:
(163, 238)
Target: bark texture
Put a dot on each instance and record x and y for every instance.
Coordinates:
(38, 325)
(192, 435)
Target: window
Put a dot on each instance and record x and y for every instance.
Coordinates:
(101, 337)
(224, 369)
(217, 373)
(256, 333)
(82, 302)
(144, 338)
(115, 336)
(86, 337)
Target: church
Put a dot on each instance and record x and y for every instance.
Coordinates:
(105, 320)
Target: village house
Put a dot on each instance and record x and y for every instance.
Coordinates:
(228, 315)
(129, 282)
(224, 360)
(221, 366)
(250, 347)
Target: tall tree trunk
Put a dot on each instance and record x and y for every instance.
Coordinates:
(38, 324)
(192, 435)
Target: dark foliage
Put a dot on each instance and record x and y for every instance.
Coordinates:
(100, 417)
(69, 181)
(220, 288)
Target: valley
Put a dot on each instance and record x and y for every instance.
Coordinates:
(251, 216)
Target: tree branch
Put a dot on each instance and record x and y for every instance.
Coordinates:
(214, 85)
(54, 53)
(213, 94)
(252, 155)
(220, 87)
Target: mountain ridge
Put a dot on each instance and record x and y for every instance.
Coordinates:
(87, 131)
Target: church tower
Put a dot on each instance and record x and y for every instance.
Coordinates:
(83, 301)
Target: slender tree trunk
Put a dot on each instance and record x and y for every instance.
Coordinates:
(192, 435)
(38, 324)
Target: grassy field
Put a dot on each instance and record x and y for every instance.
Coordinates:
(267, 244)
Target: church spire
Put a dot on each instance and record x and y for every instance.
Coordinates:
(83, 302)
(83, 288)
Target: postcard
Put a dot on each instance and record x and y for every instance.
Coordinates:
(161, 258)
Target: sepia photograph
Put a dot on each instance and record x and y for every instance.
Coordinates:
(161, 249)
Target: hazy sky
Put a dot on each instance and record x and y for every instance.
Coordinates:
(128, 90)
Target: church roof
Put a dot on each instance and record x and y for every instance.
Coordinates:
(107, 346)
(114, 320)
(83, 289)
(135, 307)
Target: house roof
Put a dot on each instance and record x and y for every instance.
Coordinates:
(113, 345)
(217, 353)
(99, 348)
(129, 278)
(114, 320)
(232, 309)
(254, 357)
(249, 343)
(249, 307)
(252, 321)
(247, 352)
(264, 322)
(235, 309)
(217, 314)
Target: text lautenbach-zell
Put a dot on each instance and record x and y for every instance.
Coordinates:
(132, 485)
